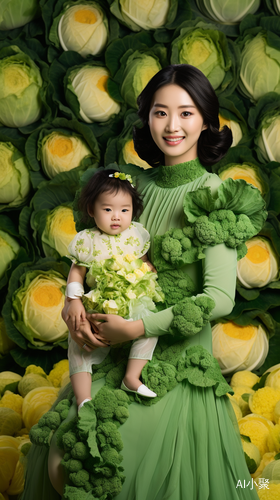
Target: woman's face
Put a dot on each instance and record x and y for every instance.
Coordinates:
(175, 124)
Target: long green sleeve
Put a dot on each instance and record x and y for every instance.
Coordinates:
(219, 279)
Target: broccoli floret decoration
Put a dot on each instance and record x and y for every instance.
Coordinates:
(191, 315)
(176, 285)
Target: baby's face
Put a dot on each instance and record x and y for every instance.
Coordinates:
(112, 212)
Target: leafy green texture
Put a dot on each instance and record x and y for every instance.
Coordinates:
(132, 61)
(14, 249)
(121, 287)
(45, 166)
(260, 48)
(203, 46)
(27, 352)
(52, 12)
(161, 13)
(24, 95)
(233, 109)
(176, 285)
(15, 180)
(227, 13)
(66, 99)
(16, 13)
(36, 220)
(265, 118)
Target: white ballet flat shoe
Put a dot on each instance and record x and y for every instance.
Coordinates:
(82, 404)
(142, 390)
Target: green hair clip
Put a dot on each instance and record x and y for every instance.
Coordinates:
(123, 177)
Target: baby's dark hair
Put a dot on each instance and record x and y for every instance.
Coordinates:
(100, 183)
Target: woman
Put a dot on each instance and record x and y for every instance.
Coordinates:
(187, 444)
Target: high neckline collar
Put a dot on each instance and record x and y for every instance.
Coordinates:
(171, 176)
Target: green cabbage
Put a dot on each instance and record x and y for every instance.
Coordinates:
(268, 137)
(228, 11)
(59, 231)
(9, 249)
(20, 84)
(260, 266)
(205, 48)
(15, 13)
(37, 306)
(81, 26)
(140, 68)
(247, 171)
(139, 14)
(60, 152)
(89, 84)
(260, 66)
(14, 177)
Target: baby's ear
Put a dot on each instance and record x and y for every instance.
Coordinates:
(90, 212)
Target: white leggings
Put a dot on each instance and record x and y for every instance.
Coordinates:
(81, 360)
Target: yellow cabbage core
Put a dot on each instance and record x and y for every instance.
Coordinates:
(129, 147)
(60, 146)
(102, 83)
(198, 53)
(246, 178)
(15, 80)
(224, 121)
(47, 295)
(67, 224)
(239, 332)
(85, 16)
(257, 254)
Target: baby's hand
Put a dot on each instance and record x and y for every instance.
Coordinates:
(145, 259)
(152, 268)
(76, 313)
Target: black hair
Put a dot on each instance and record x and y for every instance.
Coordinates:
(212, 143)
(100, 183)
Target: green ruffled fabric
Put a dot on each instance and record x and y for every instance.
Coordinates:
(91, 440)
(176, 175)
(235, 214)
(200, 368)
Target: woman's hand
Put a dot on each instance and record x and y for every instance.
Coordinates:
(84, 335)
(114, 329)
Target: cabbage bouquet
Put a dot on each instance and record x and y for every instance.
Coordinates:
(81, 26)
(14, 177)
(226, 11)
(119, 283)
(239, 347)
(60, 147)
(203, 46)
(260, 59)
(16, 13)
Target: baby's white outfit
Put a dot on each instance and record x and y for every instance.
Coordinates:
(93, 245)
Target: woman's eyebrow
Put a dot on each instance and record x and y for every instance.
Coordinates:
(183, 106)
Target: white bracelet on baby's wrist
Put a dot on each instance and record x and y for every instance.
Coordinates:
(74, 290)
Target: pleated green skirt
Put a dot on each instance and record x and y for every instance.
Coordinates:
(185, 447)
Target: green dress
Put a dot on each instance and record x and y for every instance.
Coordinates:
(187, 445)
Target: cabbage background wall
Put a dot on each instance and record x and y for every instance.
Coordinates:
(242, 61)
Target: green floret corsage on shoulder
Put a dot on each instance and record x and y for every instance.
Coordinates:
(233, 215)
